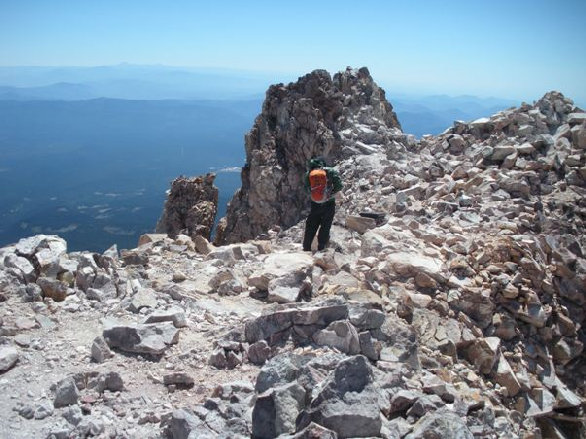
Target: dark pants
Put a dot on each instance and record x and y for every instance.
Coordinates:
(321, 216)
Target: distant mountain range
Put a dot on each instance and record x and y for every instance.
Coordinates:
(418, 114)
(434, 114)
(131, 82)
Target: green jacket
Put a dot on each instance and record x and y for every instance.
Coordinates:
(333, 179)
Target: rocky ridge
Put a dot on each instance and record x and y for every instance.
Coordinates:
(456, 312)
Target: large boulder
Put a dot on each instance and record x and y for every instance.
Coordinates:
(348, 403)
(153, 338)
(276, 410)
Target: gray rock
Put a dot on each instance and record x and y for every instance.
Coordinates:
(270, 325)
(348, 403)
(27, 411)
(441, 424)
(43, 410)
(22, 265)
(112, 252)
(111, 381)
(425, 404)
(483, 353)
(399, 342)
(91, 426)
(315, 431)
(259, 352)
(228, 390)
(177, 316)
(47, 260)
(53, 288)
(100, 350)
(31, 293)
(360, 224)
(8, 357)
(506, 377)
(66, 393)
(144, 298)
(202, 245)
(340, 335)
(180, 379)
(476, 303)
(369, 347)
(218, 359)
(84, 277)
(27, 247)
(185, 425)
(287, 288)
(73, 414)
(365, 317)
(276, 410)
(565, 398)
(276, 265)
(95, 294)
(402, 400)
(500, 152)
(60, 432)
(152, 338)
(279, 370)
(233, 359)
(134, 257)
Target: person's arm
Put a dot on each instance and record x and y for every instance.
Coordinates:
(336, 181)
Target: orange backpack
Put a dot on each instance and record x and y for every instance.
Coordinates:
(318, 183)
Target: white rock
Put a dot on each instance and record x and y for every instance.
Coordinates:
(8, 357)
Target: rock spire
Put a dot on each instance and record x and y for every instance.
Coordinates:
(317, 115)
(191, 207)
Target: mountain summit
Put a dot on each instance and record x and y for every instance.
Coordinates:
(449, 303)
(317, 115)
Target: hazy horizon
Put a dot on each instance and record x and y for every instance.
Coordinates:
(218, 83)
(518, 50)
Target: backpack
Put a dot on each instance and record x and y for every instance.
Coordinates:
(319, 185)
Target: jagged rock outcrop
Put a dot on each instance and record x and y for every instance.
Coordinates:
(190, 208)
(318, 115)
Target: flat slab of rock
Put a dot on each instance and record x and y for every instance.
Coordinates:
(180, 379)
(176, 316)
(144, 298)
(278, 265)
(152, 338)
(360, 224)
(409, 264)
(268, 325)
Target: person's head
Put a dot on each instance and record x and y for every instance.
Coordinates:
(317, 162)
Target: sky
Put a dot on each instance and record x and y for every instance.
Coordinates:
(516, 49)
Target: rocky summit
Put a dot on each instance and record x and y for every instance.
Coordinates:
(449, 303)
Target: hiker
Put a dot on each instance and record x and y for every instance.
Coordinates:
(322, 182)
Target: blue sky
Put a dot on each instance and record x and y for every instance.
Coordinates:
(512, 49)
